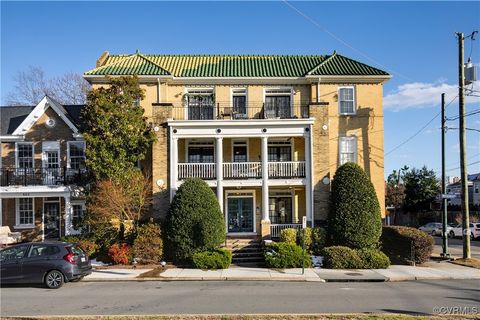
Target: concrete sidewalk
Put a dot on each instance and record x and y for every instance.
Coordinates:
(432, 271)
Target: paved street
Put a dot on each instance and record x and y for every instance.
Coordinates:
(135, 298)
(455, 247)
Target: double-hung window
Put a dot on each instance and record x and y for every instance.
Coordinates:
(76, 154)
(346, 100)
(25, 214)
(25, 155)
(348, 149)
(78, 210)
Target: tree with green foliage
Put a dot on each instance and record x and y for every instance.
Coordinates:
(195, 222)
(421, 189)
(115, 129)
(354, 219)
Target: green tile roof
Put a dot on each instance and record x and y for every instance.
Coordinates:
(264, 66)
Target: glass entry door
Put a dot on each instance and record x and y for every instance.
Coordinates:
(240, 214)
(51, 218)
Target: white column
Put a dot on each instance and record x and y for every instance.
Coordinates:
(68, 215)
(308, 176)
(219, 170)
(173, 165)
(265, 216)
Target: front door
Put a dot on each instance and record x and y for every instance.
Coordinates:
(51, 218)
(240, 214)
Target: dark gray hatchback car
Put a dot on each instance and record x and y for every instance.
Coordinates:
(51, 263)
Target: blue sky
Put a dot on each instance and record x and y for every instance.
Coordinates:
(412, 40)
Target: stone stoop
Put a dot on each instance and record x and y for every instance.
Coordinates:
(246, 252)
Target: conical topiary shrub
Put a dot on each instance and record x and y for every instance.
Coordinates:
(195, 222)
(354, 218)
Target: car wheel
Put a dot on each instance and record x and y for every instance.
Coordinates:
(76, 280)
(54, 279)
(451, 234)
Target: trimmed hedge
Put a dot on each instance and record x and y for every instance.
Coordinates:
(195, 222)
(212, 259)
(319, 238)
(288, 235)
(373, 259)
(285, 255)
(340, 257)
(398, 243)
(148, 245)
(354, 218)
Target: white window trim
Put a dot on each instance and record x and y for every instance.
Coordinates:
(232, 93)
(201, 143)
(68, 151)
(191, 89)
(280, 94)
(16, 153)
(244, 142)
(17, 215)
(287, 194)
(354, 100)
(344, 138)
(291, 143)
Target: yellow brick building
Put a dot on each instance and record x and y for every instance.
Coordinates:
(265, 132)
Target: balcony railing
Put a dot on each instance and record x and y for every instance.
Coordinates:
(242, 170)
(225, 111)
(286, 169)
(204, 171)
(41, 176)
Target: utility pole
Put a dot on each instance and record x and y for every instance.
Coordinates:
(463, 158)
(445, 253)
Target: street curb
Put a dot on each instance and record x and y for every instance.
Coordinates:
(203, 279)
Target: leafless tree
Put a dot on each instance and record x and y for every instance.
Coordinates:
(32, 84)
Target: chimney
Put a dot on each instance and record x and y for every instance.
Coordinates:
(102, 59)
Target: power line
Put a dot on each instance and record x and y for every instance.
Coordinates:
(470, 113)
(419, 131)
(331, 34)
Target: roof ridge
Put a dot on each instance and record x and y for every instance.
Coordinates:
(146, 55)
(322, 63)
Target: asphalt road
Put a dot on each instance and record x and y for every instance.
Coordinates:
(455, 247)
(231, 297)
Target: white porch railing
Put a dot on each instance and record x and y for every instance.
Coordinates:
(242, 170)
(196, 170)
(286, 169)
(275, 229)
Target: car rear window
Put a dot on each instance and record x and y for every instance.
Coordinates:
(76, 250)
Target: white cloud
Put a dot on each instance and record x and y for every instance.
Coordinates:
(424, 95)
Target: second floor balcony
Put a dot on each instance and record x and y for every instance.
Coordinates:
(227, 111)
(41, 176)
(242, 170)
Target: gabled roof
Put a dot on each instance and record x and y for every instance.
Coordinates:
(213, 66)
(16, 120)
(135, 64)
(337, 64)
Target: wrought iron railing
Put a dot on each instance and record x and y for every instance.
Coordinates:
(41, 176)
(225, 111)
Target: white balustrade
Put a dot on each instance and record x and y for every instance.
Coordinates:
(275, 229)
(196, 170)
(242, 170)
(286, 169)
